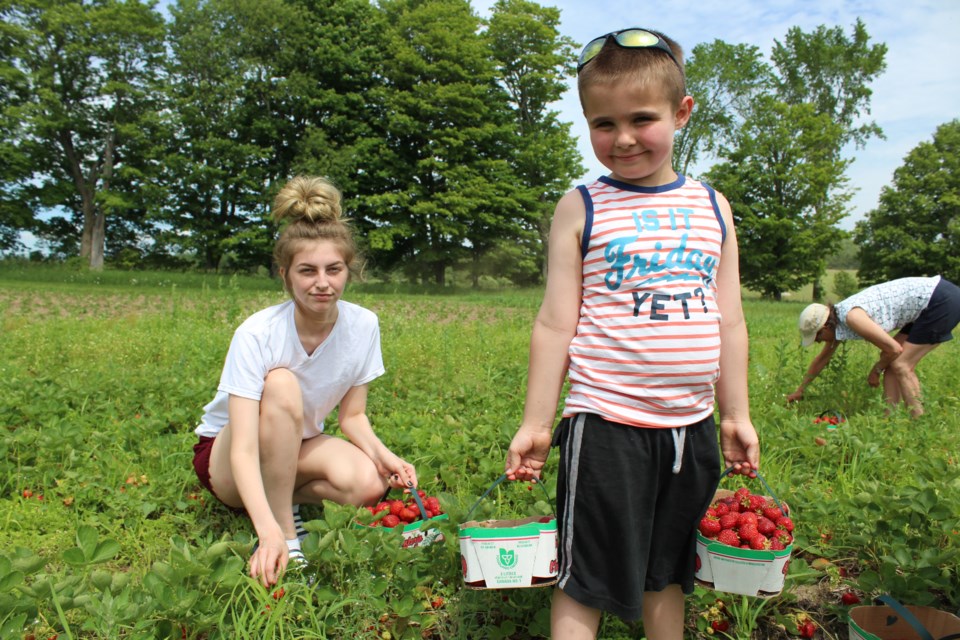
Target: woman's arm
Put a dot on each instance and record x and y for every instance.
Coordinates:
(858, 320)
(355, 424)
(816, 366)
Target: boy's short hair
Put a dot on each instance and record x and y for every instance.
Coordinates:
(647, 65)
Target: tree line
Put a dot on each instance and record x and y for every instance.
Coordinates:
(138, 138)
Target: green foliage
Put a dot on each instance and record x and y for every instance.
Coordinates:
(779, 182)
(102, 382)
(916, 228)
(845, 284)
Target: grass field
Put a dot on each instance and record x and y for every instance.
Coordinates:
(105, 533)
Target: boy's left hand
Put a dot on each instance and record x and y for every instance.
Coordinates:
(740, 446)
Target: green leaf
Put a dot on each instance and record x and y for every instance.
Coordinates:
(104, 551)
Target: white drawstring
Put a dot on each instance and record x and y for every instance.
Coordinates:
(679, 439)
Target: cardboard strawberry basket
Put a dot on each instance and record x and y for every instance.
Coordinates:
(894, 621)
(503, 554)
(413, 534)
(756, 570)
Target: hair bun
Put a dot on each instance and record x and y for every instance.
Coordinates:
(313, 199)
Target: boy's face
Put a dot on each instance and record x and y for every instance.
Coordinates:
(631, 130)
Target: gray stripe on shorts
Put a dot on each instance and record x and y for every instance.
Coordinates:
(572, 456)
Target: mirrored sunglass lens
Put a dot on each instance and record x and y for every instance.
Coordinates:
(591, 50)
(637, 38)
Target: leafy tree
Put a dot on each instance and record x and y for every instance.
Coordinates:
(88, 69)
(227, 88)
(777, 181)
(915, 230)
(724, 80)
(15, 171)
(444, 173)
(532, 59)
(833, 72)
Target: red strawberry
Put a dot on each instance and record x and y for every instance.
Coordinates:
(721, 508)
(729, 520)
(433, 504)
(390, 521)
(807, 629)
(757, 503)
(382, 506)
(407, 515)
(747, 517)
(784, 537)
(396, 506)
(719, 625)
(741, 493)
(279, 593)
(730, 537)
(709, 527)
(760, 542)
(849, 597)
(766, 526)
(776, 545)
(772, 512)
(748, 532)
(785, 523)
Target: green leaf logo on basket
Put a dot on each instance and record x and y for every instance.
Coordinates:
(507, 558)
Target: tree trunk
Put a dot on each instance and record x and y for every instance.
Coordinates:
(440, 273)
(817, 290)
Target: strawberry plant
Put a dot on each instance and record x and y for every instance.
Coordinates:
(102, 382)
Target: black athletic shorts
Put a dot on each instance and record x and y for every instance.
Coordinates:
(936, 323)
(627, 522)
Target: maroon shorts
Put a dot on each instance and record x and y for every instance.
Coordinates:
(201, 461)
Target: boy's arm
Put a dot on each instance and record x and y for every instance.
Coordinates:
(554, 328)
(738, 438)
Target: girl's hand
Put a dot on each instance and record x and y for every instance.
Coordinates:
(270, 559)
(399, 473)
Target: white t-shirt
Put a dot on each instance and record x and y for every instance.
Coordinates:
(267, 340)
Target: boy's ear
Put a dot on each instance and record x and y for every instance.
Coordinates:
(684, 111)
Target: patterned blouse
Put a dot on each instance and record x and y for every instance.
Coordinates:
(892, 305)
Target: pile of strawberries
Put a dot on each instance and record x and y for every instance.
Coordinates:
(832, 420)
(402, 512)
(748, 521)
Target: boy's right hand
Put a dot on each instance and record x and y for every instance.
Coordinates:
(528, 453)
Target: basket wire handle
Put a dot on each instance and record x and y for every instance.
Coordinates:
(765, 486)
(904, 613)
(495, 484)
(416, 499)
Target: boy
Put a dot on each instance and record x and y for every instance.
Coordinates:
(636, 307)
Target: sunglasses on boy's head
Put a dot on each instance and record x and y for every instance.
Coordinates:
(634, 38)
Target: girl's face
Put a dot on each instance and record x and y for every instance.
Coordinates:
(317, 277)
(631, 130)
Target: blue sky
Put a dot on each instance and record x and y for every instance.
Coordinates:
(919, 90)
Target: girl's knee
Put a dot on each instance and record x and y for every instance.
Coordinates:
(282, 398)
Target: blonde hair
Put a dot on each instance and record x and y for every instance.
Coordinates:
(649, 66)
(309, 209)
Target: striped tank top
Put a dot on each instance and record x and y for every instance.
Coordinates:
(647, 348)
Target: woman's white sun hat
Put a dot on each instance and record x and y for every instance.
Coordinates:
(812, 320)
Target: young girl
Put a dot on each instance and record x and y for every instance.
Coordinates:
(262, 447)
